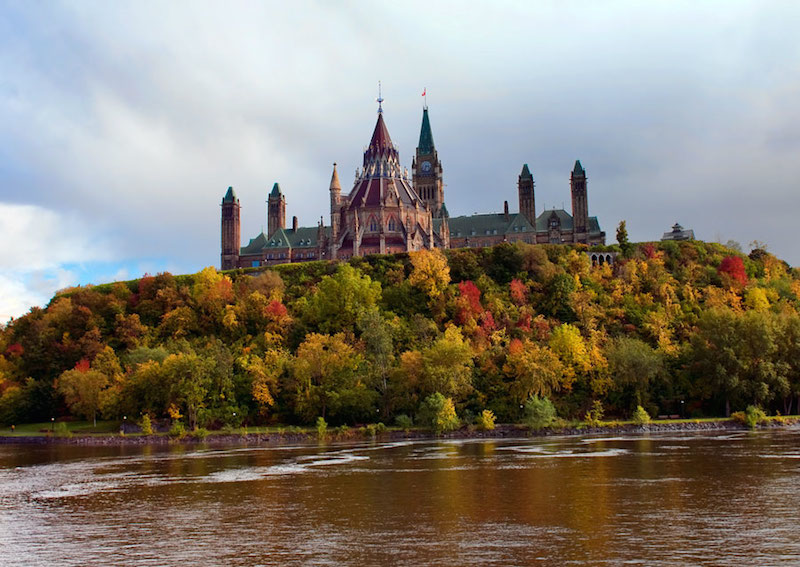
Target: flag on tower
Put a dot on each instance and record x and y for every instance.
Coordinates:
(424, 90)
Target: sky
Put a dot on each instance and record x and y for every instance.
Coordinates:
(123, 123)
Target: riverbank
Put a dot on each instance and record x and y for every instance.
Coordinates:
(389, 435)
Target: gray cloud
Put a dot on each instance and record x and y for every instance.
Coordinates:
(135, 117)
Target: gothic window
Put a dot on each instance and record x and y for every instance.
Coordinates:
(554, 223)
(392, 224)
(373, 224)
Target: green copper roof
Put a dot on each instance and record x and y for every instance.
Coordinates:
(526, 173)
(578, 168)
(425, 135)
(444, 212)
(230, 196)
(276, 191)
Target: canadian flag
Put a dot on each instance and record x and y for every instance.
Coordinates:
(424, 91)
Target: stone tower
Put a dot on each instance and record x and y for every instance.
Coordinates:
(426, 169)
(527, 202)
(335, 189)
(276, 210)
(231, 235)
(580, 206)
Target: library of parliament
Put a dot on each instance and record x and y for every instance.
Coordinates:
(387, 211)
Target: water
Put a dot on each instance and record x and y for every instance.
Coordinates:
(650, 500)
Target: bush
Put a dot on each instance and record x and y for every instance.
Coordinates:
(322, 428)
(640, 416)
(146, 425)
(594, 417)
(440, 413)
(539, 412)
(485, 421)
(373, 429)
(751, 417)
(60, 430)
(177, 429)
(404, 422)
(200, 433)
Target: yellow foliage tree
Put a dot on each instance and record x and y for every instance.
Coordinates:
(431, 273)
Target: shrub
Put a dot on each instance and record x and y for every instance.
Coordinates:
(594, 417)
(751, 417)
(146, 425)
(440, 413)
(640, 416)
(322, 428)
(373, 429)
(200, 433)
(539, 412)
(60, 430)
(404, 422)
(485, 421)
(177, 429)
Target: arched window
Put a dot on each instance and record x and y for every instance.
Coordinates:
(392, 224)
(373, 224)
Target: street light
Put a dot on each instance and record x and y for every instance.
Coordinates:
(682, 414)
(52, 424)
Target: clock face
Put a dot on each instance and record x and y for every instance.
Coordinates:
(426, 166)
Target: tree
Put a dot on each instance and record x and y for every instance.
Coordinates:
(324, 367)
(633, 365)
(447, 365)
(535, 370)
(622, 238)
(340, 298)
(189, 376)
(440, 412)
(733, 268)
(431, 273)
(82, 390)
(265, 372)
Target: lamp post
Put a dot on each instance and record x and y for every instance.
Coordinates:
(52, 425)
(682, 414)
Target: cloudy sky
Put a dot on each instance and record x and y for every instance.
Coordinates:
(122, 123)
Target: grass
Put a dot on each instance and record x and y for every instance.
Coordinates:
(105, 428)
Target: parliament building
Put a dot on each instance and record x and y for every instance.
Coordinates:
(388, 211)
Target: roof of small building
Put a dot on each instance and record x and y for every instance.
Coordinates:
(497, 223)
(303, 237)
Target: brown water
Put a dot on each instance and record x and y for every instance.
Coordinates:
(650, 500)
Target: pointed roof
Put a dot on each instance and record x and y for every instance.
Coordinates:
(425, 136)
(578, 170)
(335, 180)
(380, 136)
(230, 196)
(276, 191)
(444, 212)
(526, 173)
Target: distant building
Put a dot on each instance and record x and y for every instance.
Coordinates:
(389, 211)
(678, 233)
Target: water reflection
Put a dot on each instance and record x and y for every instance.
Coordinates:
(658, 500)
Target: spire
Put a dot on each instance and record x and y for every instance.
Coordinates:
(578, 170)
(230, 196)
(379, 100)
(335, 185)
(276, 191)
(380, 137)
(526, 173)
(425, 135)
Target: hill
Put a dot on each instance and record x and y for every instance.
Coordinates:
(686, 328)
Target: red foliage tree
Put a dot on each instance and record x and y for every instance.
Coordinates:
(733, 266)
(519, 292)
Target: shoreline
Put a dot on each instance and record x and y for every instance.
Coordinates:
(499, 432)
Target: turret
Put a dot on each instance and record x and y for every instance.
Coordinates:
(231, 231)
(527, 202)
(427, 169)
(336, 200)
(580, 206)
(276, 210)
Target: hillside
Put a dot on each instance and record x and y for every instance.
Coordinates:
(687, 328)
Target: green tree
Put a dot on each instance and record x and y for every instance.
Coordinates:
(340, 298)
(622, 238)
(82, 390)
(324, 367)
(190, 378)
(634, 365)
(440, 413)
(447, 365)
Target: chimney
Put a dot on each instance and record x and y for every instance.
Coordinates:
(294, 224)
(505, 209)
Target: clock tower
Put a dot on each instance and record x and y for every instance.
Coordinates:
(426, 170)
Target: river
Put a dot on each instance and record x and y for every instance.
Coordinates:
(659, 499)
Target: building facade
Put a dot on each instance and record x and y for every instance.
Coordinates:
(388, 211)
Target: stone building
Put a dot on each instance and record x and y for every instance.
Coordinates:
(388, 211)
(678, 233)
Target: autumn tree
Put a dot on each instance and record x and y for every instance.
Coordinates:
(324, 368)
(340, 298)
(535, 370)
(430, 272)
(447, 365)
(82, 389)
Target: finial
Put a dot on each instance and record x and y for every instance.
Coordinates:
(380, 99)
